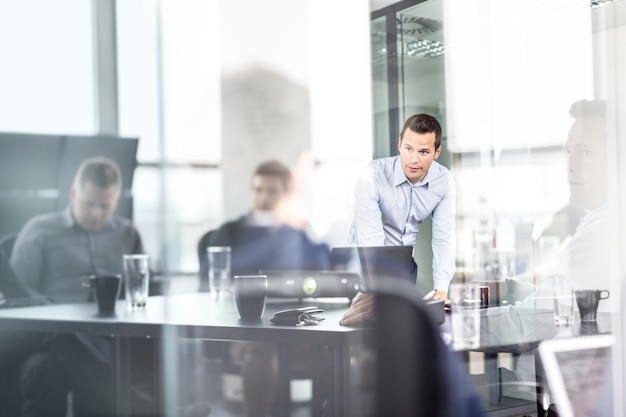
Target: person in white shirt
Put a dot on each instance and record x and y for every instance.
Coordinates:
(394, 195)
(585, 258)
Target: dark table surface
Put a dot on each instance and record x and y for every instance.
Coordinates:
(194, 315)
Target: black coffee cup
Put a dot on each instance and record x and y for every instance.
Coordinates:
(250, 294)
(106, 290)
(587, 301)
(484, 296)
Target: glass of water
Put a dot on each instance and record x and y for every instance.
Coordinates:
(136, 279)
(219, 268)
(465, 317)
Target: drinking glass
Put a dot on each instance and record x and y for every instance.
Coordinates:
(563, 296)
(465, 305)
(219, 268)
(136, 280)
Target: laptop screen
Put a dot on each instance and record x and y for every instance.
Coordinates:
(578, 373)
(374, 263)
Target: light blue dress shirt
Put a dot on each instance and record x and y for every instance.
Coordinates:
(389, 209)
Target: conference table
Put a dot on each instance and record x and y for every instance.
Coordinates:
(205, 316)
(515, 332)
(196, 316)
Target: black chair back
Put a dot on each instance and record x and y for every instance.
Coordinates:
(6, 243)
(416, 373)
(10, 286)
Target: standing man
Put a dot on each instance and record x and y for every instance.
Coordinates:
(51, 253)
(395, 195)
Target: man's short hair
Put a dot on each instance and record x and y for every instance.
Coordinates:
(100, 171)
(276, 169)
(423, 123)
(582, 109)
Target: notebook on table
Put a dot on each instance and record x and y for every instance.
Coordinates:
(578, 372)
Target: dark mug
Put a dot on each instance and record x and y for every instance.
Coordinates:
(589, 327)
(250, 294)
(587, 301)
(484, 296)
(106, 290)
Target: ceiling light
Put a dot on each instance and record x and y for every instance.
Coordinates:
(424, 48)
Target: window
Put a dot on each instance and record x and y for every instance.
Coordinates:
(210, 100)
(47, 77)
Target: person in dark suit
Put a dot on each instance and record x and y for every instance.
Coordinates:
(263, 240)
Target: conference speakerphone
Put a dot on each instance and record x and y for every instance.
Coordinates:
(312, 284)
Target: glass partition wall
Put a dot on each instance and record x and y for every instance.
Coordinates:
(503, 133)
(501, 77)
(212, 88)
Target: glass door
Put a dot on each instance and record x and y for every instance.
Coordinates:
(407, 78)
(407, 68)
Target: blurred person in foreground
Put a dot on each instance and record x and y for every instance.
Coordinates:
(585, 257)
(394, 195)
(51, 253)
(265, 239)
(584, 260)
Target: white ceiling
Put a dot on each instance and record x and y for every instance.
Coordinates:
(429, 9)
(379, 4)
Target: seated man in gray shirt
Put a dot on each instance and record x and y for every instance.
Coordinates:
(51, 253)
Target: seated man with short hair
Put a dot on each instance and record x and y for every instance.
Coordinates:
(261, 240)
(51, 253)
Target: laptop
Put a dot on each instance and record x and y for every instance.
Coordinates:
(578, 372)
(375, 263)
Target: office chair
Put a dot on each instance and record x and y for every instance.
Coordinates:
(6, 243)
(10, 286)
(416, 374)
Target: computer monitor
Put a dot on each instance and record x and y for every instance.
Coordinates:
(578, 372)
(376, 263)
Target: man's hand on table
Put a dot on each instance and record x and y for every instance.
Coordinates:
(440, 295)
(361, 310)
